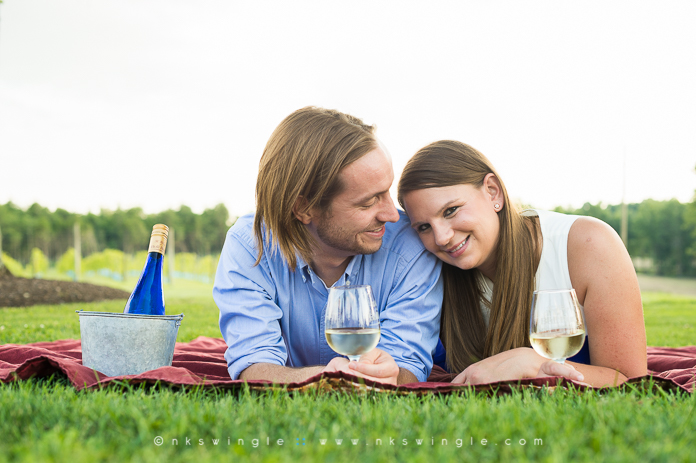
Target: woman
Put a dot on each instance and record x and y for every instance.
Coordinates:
(495, 257)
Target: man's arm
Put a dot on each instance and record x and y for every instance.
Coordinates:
(405, 377)
(382, 369)
(249, 317)
(278, 373)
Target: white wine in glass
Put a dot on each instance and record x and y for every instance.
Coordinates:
(352, 321)
(557, 324)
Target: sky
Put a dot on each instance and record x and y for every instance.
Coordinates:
(157, 104)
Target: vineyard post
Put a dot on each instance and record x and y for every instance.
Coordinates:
(77, 245)
(624, 206)
(171, 252)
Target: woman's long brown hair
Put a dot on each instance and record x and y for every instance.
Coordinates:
(462, 327)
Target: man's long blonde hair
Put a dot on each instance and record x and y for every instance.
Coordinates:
(303, 158)
(463, 330)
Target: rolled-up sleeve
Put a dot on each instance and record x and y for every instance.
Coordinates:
(411, 320)
(249, 317)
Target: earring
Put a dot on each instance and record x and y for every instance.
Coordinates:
(496, 206)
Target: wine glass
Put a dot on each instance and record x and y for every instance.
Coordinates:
(557, 324)
(352, 322)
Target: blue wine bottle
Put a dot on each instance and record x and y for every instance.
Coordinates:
(147, 298)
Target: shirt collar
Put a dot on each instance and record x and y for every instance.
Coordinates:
(303, 267)
(353, 269)
(350, 275)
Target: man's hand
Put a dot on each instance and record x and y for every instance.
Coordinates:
(337, 364)
(376, 365)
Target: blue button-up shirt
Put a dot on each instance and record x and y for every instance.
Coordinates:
(269, 314)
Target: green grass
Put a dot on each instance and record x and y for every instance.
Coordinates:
(670, 321)
(47, 420)
(53, 322)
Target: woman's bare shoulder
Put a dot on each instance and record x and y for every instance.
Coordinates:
(591, 233)
(595, 253)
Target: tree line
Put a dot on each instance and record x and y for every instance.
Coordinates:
(127, 230)
(661, 234)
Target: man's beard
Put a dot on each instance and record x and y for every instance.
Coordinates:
(338, 238)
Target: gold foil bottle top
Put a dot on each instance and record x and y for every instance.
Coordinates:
(158, 238)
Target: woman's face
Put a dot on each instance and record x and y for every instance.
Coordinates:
(459, 224)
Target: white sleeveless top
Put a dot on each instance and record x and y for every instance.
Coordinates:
(553, 266)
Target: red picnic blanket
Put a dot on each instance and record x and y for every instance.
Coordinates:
(201, 363)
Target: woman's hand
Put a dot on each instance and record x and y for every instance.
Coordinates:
(566, 370)
(518, 363)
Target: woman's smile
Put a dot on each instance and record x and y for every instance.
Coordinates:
(459, 249)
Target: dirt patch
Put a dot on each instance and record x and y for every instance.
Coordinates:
(23, 292)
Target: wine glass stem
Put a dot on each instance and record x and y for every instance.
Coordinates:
(353, 358)
(561, 361)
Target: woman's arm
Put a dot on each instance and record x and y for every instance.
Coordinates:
(604, 279)
(519, 363)
(602, 274)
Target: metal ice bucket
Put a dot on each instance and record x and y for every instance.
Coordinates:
(125, 344)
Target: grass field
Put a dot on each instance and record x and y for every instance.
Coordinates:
(46, 420)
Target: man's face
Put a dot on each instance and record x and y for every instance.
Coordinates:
(355, 222)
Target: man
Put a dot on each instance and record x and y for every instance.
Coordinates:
(324, 217)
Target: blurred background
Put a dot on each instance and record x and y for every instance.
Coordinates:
(115, 115)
